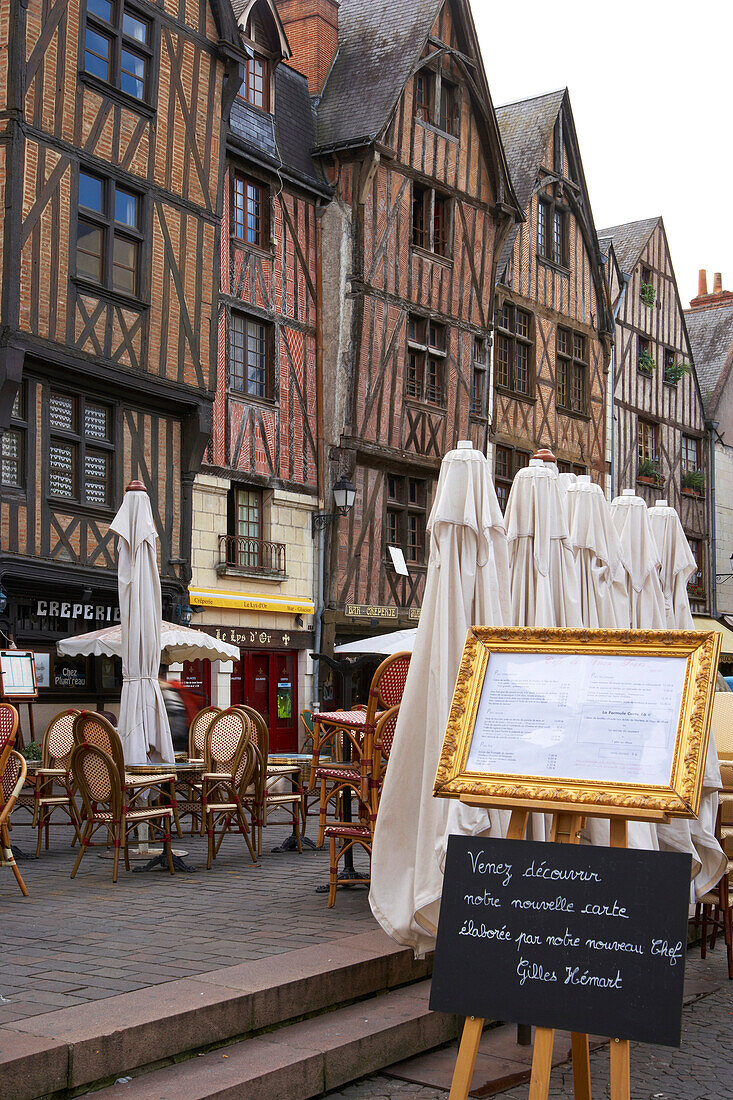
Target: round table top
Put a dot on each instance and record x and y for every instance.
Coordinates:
(165, 769)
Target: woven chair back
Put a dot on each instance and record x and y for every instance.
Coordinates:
(723, 724)
(8, 730)
(12, 778)
(245, 765)
(223, 740)
(58, 740)
(91, 728)
(389, 679)
(306, 718)
(384, 734)
(198, 729)
(260, 734)
(98, 779)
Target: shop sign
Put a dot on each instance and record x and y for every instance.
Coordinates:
(70, 673)
(253, 638)
(63, 609)
(370, 611)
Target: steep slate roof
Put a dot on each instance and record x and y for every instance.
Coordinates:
(380, 42)
(629, 241)
(526, 128)
(285, 142)
(711, 337)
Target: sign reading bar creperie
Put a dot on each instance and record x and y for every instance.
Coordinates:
(247, 637)
(376, 611)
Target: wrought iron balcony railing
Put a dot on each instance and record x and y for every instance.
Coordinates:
(255, 555)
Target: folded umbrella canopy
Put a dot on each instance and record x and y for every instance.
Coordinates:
(696, 835)
(177, 643)
(543, 569)
(639, 584)
(598, 555)
(467, 582)
(394, 641)
(143, 723)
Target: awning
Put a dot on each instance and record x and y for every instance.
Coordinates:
(703, 623)
(249, 601)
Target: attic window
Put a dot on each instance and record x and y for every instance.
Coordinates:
(255, 88)
(424, 94)
(437, 101)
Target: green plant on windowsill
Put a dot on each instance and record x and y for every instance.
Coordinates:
(646, 362)
(648, 294)
(694, 480)
(649, 469)
(31, 751)
(673, 372)
(696, 591)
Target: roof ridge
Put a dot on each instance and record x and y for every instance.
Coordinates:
(531, 98)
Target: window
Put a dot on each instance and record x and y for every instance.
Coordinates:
(426, 350)
(572, 371)
(507, 463)
(690, 454)
(249, 212)
(514, 350)
(255, 88)
(80, 450)
(696, 582)
(247, 528)
(646, 441)
(552, 232)
(405, 518)
(431, 220)
(557, 153)
(108, 234)
(424, 94)
(448, 119)
(250, 356)
(478, 380)
(12, 445)
(645, 363)
(117, 46)
(437, 100)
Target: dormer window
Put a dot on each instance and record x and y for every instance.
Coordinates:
(256, 84)
(437, 100)
(424, 94)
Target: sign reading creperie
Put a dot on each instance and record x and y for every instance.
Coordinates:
(92, 612)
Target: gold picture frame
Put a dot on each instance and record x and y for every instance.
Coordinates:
(687, 690)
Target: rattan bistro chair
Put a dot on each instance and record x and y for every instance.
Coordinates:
(12, 777)
(342, 836)
(9, 720)
(90, 728)
(97, 776)
(232, 764)
(189, 791)
(58, 742)
(272, 796)
(198, 729)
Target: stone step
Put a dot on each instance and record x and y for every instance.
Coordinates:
(92, 1043)
(304, 1059)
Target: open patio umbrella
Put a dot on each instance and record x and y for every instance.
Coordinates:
(395, 641)
(598, 554)
(640, 583)
(696, 835)
(467, 582)
(543, 570)
(143, 723)
(177, 643)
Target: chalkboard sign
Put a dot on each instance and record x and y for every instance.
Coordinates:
(565, 936)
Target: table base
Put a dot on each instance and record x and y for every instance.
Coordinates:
(290, 844)
(347, 878)
(160, 862)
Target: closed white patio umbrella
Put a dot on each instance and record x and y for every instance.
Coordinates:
(467, 582)
(598, 554)
(543, 570)
(143, 723)
(640, 584)
(677, 565)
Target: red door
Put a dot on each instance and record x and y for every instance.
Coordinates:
(268, 681)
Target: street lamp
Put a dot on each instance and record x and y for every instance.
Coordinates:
(344, 495)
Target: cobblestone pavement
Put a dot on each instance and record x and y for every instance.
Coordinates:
(72, 941)
(702, 1069)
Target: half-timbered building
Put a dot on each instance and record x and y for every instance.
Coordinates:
(710, 326)
(110, 142)
(660, 447)
(553, 323)
(423, 203)
(253, 551)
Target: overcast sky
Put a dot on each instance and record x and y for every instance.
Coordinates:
(650, 89)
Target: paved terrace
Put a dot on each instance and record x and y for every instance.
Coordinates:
(78, 940)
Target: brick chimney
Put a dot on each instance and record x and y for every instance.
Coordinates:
(312, 30)
(719, 297)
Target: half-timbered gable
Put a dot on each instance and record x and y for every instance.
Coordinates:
(253, 549)
(553, 322)
(423, 205)
(112, 140)
(660, 446)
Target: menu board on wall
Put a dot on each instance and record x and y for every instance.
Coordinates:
(18, 674)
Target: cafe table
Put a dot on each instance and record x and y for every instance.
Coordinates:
(304, 761)
(185, 771)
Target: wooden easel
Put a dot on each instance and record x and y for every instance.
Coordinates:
(566, 826)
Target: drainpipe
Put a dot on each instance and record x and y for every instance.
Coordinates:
(320, 454)
(616, 311)
(712, 427)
